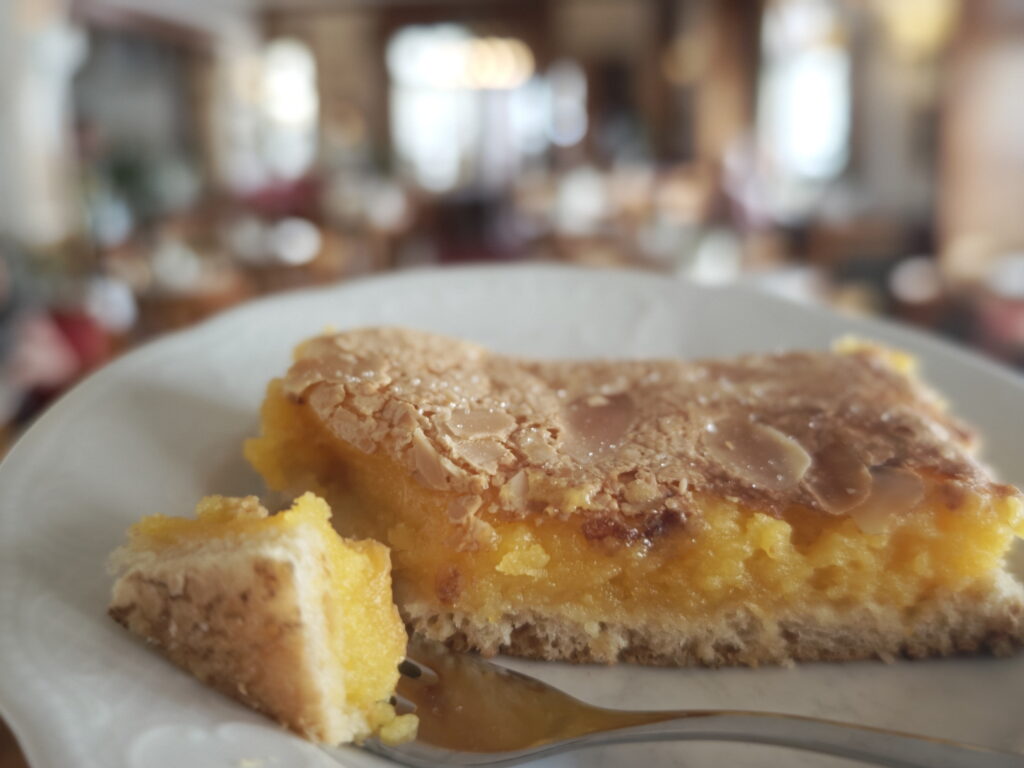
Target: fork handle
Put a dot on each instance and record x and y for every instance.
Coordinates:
(872, 745)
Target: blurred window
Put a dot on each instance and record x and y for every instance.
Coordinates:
(433, 123)
(290, 106)
(568, 120)
(805, 91)
(464, 109)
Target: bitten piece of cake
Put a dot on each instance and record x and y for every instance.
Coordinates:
(276, 611)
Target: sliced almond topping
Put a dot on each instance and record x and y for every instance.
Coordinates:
(367, 405)
(514, 493)
(452, 471)
(400, 414)
(481, 423)
(757, 453)
(429, 469)
(535, 447)
(475, 483)
(484, 454)
(361, 432)
(839, 480)
(894, 491)
(325, 398)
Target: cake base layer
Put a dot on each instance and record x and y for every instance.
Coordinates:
(986, 619)
(238, 627)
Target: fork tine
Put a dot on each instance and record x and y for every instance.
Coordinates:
(402, 705)
(414, 670)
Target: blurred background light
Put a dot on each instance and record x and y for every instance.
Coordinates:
(918, 29)
(160, 162)
(290, 103)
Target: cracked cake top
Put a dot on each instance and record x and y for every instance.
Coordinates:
(631, 441)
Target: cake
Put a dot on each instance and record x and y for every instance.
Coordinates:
(276, 611)
(804, 505)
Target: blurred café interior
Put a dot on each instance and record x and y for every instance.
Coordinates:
(163, 160)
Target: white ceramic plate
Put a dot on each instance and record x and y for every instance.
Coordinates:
(160, 428)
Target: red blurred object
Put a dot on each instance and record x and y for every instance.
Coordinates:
(91, 344)
(287, 198)
(1001, 327)
(51, 352)
(42, 357)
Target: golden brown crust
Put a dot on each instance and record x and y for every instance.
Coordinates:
(634, 442)
(236, 622)
(245, 617)
(986, 619)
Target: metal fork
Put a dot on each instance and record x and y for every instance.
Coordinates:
(474, 713)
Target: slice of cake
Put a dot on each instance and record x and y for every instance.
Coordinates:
(276, 611)
(802, 505)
